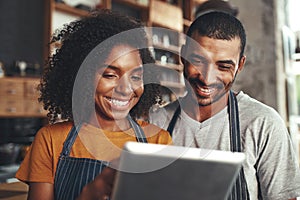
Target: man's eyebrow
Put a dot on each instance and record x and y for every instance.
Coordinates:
(226, 62)
(138, 68)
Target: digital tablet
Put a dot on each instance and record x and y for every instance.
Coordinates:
(163, 172)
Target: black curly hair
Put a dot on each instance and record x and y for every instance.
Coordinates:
(78, 39)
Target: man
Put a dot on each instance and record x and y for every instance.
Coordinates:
(211, 116)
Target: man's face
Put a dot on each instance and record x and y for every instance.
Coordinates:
(210, 67)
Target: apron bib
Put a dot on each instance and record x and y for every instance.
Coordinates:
(73, 174)
(240, 190)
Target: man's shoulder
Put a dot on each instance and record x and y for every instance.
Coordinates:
(245, 99)
(255, 108)
(172, 106)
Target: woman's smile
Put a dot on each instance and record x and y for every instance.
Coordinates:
(117, 104)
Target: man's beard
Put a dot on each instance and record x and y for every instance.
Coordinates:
(219, 86)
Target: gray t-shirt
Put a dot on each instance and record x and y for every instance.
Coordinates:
(271, 167)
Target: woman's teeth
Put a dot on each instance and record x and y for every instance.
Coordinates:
(118, 102)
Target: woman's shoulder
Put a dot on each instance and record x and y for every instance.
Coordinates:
(155, 133)
(59, 126)
(146, 125)
(60, 129)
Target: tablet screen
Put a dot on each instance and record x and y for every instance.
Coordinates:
(154, 172)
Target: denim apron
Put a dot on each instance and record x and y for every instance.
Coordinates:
(240, 190)
(73, 174)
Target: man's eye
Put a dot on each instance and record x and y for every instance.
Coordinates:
(136, 78)
(225, 67)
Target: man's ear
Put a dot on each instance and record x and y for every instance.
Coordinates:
(241, 64)
(182, 54)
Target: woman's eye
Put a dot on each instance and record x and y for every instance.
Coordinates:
(109, 76)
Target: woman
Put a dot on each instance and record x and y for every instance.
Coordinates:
(98, 76)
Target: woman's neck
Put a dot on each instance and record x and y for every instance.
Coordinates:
(110, 125)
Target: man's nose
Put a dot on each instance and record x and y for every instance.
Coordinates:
(208, 74)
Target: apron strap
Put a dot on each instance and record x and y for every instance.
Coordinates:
(70, 141)
(240, 190)
(139, 133)
(173, 120)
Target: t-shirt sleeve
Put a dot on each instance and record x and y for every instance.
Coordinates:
(163, 138)
(37, 165)
(277, 167)
(155, 134)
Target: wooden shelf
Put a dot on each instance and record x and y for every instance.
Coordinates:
(133, 4)
(152, 13)
(19, 97)
(162, 14)
(171, 48)
(170, 66)
(187, 22)
(174, 85)
(70, 10)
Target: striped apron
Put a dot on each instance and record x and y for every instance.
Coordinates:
(240, 190)
(73, 174)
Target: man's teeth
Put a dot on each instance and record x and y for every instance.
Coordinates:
(118, 102)
(207, 90)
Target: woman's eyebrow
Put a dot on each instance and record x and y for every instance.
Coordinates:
(112, 67)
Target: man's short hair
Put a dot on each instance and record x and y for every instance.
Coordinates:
(219, 25)
(216, 5)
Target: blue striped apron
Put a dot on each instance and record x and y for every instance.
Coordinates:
(73, 174)
(240, 190)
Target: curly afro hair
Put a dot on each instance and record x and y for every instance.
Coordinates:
(78, 39)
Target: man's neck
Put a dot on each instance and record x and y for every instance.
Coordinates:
(201, 113)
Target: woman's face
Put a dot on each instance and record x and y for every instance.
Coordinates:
(119, 83)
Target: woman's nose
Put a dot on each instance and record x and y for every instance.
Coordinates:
(124, 86)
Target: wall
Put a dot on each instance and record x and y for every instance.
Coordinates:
(262, 77)
(22, 32)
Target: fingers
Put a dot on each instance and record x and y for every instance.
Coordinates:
(101, 187)
(106, 180)
(114, 163)
(108, 175)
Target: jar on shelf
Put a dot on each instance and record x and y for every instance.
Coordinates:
(2, 73)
